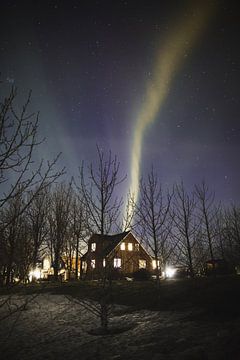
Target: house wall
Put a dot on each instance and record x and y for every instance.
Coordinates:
(129, 259)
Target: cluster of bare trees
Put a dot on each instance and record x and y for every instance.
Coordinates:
(22, 182)
(185, 227)
(40, 213)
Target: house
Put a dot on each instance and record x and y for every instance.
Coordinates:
(67, 268)
(218, 267)
(121, 254)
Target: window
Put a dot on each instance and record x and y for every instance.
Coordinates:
(154, 264)
(93, 247)
(122, 246)
(84, 266)
(46, 263)
(104, 262)
(130, 246)
(142, 264)
(117, 262)
(137, 247)
(93, 264)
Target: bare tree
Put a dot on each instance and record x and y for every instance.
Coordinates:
(128, 222)
(37, 217)
(16, 242)
(76, 239)
(207, 215)
(18, 141)
(235, 227)
(98, 191)
(58, 219)
(102, 205)
(186, 227)
(152, 215)
(231, 235)
(78, 229)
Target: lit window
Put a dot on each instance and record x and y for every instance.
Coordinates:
(117, 262)
(122, 246)
(137, 247)
(46, 263)
(93, 264)
(130, 246)
(154, 264)
(93, 247)
(104, 262)
(142, 264)
(84, 266)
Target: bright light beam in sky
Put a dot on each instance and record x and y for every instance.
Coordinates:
(169, 59)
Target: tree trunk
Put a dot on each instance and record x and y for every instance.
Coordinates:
(104, 316)
(77, 256)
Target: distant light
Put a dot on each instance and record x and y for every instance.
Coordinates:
(170, 272)
(34, 274)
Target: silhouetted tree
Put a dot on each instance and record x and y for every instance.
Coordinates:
(152, 215)
(37, 218)
(99, 193)
(186, 227)
(58, 220)
(18, 141)
(207, 213)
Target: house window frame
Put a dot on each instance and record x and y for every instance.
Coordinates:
(117, 263)
(154, 264)
(142, 263)
(130, 246)
(84, 266)
(137, 247)
(123, 246)
(93, 263)
(93, 246)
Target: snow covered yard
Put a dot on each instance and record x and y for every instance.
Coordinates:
(53, 327)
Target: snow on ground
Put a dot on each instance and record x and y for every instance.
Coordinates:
(54, 327)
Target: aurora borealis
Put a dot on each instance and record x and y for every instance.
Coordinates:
(100, 71)
(170, 57)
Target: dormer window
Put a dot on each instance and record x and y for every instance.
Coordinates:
(122, 246)
(93, 246)
(130, 246)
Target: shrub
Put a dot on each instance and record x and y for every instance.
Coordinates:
(141, 275)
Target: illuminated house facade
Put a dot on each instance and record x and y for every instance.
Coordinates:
(120, 253)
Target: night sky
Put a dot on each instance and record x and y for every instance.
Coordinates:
(89, 65)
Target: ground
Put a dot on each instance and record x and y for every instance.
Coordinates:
(52, 325)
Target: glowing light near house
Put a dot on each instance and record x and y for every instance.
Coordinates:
(34, 274)
(170, 272)
(169, 59)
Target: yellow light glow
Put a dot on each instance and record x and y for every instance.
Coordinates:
(169, 59)
(154, 264)
(34, 274)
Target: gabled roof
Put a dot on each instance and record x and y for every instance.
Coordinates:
(110, 241)
(114, 240)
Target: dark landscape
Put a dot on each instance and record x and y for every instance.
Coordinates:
(186, 319)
